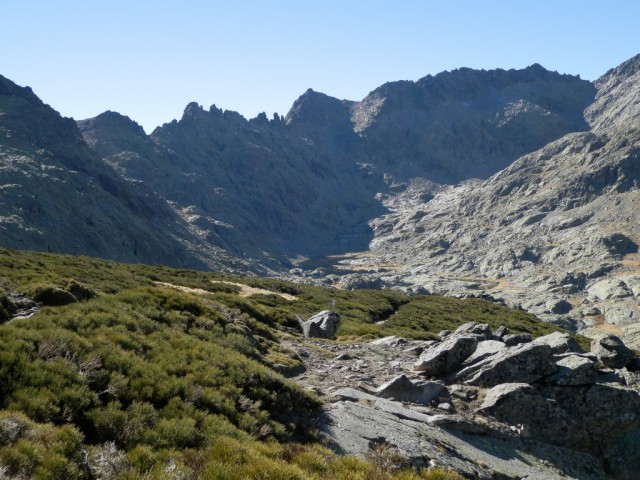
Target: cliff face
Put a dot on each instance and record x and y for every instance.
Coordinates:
(467, 123)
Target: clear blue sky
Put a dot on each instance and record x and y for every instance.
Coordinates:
(148, 59)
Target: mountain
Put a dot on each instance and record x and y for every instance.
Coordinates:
(307, 185)
(497, 183)
(57, 195)
(555, 233)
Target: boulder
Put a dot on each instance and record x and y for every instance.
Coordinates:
(574, 370)
(602, 415)
(559, 307)
(500, 333)
(535, 416)
(402, 389)
(611, 351)
(322, 325)
(480, 331)
(485, 349)
(516, 339)
(446, 356)
(560, 343)
(522, 364)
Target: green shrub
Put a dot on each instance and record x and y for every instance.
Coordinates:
(50, 295)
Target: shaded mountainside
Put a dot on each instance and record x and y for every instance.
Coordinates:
(58, 195)
(307, 185)
(468, 123)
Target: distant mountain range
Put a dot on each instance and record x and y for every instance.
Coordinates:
(467, 182)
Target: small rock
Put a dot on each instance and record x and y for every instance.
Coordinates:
(447, 407)
(480, 331)
(343, 356)
(456, 422)
(391, 341)
(500, 333)
(444, 333)
(415, 350)
(404, 390)
(516, 339)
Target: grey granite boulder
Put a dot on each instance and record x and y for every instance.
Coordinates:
(485, 349)
(500, 332)
(524, 363)
(480, 331)
(402, 389)
(574, 370)
(446, 356)
(611, 351)
(535, 416)
(322, 325)
(560, 343)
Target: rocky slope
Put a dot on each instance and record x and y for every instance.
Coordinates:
(58, 195)
(554, 233)
(485, 403)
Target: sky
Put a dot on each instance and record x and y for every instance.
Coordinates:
(149, 59)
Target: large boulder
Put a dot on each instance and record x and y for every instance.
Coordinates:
(446, 356)
(485, 349)
(574, 370)
(560, 343)
(606, 419)
(520, 405)
(402, 389)
(322, 325)
(522, 364)
(611, 351)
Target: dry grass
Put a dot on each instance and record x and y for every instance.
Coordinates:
(245, 290)
(606, 328)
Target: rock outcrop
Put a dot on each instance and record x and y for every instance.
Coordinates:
(541, 411)
(321, 325)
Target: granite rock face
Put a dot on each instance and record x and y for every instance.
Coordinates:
(554, 233)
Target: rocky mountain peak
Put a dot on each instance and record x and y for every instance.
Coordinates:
(313, 108)
(618, 100)
(111, 121)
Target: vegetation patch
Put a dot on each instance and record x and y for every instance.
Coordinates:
(118, 376)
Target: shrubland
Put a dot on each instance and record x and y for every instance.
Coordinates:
(142, 372)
